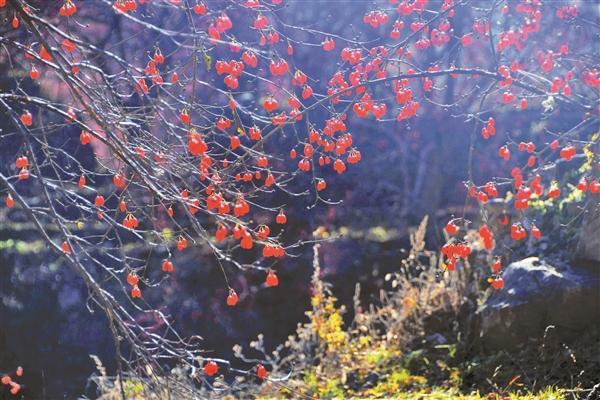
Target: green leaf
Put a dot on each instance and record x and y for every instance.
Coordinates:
(207, 61)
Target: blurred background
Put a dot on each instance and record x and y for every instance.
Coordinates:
(408, 171)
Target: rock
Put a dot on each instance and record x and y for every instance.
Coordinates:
(536, 295)
(588, 247)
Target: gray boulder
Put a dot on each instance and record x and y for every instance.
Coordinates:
(588, 247)
(536, 295)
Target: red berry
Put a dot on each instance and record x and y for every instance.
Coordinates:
(68, 46)
(130, 221)
(26, 118)
(10, 202)
(307, 92)
(211, 368)
(34, 73)
(65, 247)
(523, 104)
(44, 54)
(281, 218)
(482, 197)
(182, 243)
(247, 242)
(85, 137)
(136, 292)
(498, 283)
(568, 152)
(200, 8)
(167, 266)
(270, 180)
(263, 232)
(232, 298)
(554, 192)
(262, 162)
(272, 279)
(99, 201)
(504, 152)
(339, 166)
(22, 162)
(185, 117)
(517, 232)
(595, 186)
(132, 278)
(270, 104)
(234, 142)
(536, 232)
(119, 180)
(261, 371)
(496, 266)
(221, 233)
(321, 185)
(328, 44)
(451, 228)
(15, 387)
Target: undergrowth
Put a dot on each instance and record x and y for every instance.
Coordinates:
(417, 342)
